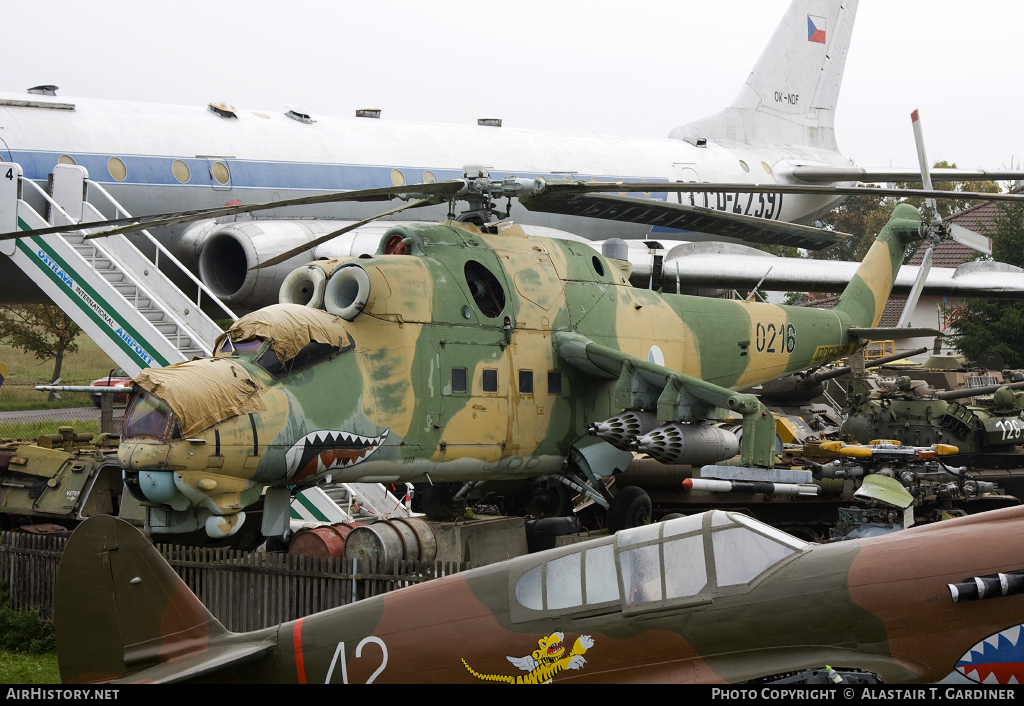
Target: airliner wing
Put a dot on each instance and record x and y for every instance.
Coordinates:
(684, 217)
(832, 175)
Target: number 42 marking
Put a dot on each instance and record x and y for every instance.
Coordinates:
(339, 656)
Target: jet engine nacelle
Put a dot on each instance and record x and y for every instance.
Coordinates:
(225, 253)
(695, 444)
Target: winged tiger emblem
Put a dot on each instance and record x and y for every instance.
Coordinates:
(544, 663)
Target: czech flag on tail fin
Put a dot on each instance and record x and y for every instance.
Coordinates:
(815, 29)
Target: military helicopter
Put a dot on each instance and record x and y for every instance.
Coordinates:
(466, 351)
(715, 597)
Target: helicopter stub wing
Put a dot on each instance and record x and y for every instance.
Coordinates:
(684, 217)
(677, 396)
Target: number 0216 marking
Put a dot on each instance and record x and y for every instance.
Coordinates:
(770, 339)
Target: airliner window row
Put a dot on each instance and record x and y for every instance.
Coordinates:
(145, 169)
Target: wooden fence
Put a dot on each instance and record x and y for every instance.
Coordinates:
(244, 590)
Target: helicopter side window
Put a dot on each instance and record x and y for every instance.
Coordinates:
(459, 381)
(490, 380)
(554, 382)
(485, 289)
(311, 354)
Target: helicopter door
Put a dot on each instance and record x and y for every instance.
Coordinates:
(474, 392)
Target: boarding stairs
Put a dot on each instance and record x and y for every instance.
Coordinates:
(345, 502)
(116, 293)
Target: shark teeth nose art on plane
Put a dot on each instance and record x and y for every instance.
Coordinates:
(325, 450)
(998, 659)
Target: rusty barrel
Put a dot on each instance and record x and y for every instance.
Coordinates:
(380, 541)
(324, 541)
(426, 540)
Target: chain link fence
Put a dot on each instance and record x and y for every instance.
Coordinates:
(30, 424)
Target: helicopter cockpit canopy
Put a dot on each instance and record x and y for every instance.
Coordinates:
(289, 328)
(199, 392)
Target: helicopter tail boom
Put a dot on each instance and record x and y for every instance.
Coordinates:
(864, 298)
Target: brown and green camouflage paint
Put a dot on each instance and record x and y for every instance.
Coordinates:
(879, 605)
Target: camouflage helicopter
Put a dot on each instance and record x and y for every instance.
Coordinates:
(468, 351)
(657, 603)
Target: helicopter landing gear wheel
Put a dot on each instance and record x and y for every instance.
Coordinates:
(550, 502)
(631, 507)
(439, 502)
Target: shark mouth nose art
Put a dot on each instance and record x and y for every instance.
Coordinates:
(998, 659)
(322, 451)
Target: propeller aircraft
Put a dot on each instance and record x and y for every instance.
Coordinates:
(715, 597)
(467, 351)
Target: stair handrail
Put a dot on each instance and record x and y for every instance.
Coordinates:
(139, 285)
(160, 248)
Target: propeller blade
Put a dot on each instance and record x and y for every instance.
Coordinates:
(440, 190)
(915, 291)
(324, 238)
(968, 238)
(922, 159)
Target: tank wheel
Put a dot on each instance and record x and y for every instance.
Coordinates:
(631, 507)
(550, 502)
(438, 502)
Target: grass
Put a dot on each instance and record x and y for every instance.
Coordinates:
(24, 372)
(28, 647)
(21, 668)
(27, 431)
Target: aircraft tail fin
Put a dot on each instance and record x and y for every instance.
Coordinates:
(120, 608)
(790, 96)
(865, 296)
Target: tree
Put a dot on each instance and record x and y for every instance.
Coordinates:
(860, 216)
(42, 329)
(947, 207)
(992, 325)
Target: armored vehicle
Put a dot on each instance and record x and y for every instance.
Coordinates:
(59, 479)
(917, 415)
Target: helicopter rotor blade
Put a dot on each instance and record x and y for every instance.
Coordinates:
(278, 259)
(434, 191)
(580, 187)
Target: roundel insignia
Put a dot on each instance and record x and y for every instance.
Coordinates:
(998, 659)
(656, 356)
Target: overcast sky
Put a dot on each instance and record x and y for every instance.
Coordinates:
(596, 66)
